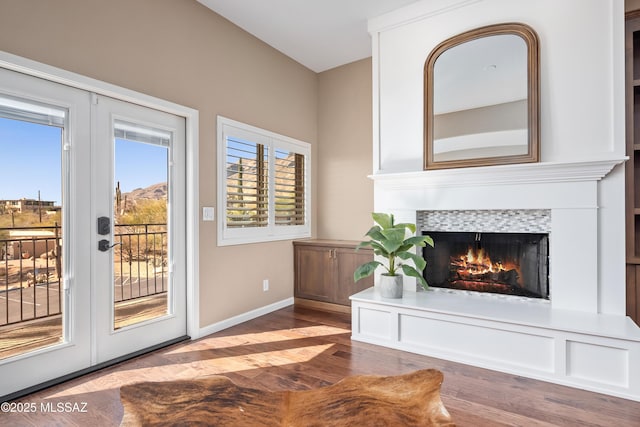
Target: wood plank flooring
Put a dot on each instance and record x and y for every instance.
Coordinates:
(300, 348)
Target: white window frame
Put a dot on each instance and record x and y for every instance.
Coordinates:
(272, 232)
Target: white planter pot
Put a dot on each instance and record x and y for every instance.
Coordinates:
(390, 286)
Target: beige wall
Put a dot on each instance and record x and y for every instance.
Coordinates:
(183, 52)
(492, 118)
(630, 5)
(345, 194)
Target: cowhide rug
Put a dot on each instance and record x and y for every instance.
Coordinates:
(405, 400)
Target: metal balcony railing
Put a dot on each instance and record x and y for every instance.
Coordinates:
(31, 268)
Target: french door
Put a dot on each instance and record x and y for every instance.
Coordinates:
(93, 268)
(138, 180)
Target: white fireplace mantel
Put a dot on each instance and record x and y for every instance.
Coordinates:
(522, 173)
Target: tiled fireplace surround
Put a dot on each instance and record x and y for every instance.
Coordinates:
(567, 340)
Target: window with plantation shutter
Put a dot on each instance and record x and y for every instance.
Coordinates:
(263, 185)
(247, 176)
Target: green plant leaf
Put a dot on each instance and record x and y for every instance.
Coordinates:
(410, 271)
(363, 245)
(411, 227)
(420, 241)
(366, 270)
(405, 247)
(384, 220)
(428, 240)
(374, 232)
(379, 249)
(393, 238)
(418, 260)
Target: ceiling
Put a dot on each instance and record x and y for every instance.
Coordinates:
(319, 34)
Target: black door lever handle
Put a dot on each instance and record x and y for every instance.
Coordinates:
(104, 246)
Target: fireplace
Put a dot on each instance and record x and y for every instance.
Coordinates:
(574, 334)
(500, 263)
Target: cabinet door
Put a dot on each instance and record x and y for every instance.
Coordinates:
(314, 273)
(347, 262)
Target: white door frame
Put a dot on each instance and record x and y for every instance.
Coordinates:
(57, 75)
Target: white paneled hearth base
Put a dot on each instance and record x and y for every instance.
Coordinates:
(591, 351)
(580, 337)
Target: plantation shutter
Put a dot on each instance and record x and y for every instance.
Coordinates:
(263, 180)
(247, 178)
(289, 188)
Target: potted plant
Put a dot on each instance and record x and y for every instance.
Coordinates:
(389, 240)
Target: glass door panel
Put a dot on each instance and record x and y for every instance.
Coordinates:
(31, 233)
(141, 175)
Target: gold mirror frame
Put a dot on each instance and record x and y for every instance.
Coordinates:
(533, 95)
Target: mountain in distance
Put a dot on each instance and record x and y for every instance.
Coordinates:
(152, 192)
(129, 201)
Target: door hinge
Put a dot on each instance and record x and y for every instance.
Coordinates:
(94, 98)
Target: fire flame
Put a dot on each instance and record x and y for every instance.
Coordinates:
(479, 262)
(474, 270)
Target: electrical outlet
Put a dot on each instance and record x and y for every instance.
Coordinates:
(265, 285)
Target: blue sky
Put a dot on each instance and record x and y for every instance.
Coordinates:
(30, 160)
(139, 165)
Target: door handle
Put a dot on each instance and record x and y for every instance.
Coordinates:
(104, 246)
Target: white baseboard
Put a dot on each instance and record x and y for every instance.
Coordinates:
(244, 317)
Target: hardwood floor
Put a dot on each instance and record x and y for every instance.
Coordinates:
(300, 348)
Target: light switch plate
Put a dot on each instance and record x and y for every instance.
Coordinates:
(208, 214)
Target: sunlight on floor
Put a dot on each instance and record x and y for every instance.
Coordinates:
(211, 364)
(219, 342)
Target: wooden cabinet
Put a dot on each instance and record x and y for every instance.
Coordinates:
(324, 270)
(633, 164)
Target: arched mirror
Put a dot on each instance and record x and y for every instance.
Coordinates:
(482, 98)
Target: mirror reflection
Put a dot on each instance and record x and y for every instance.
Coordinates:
(481, 99)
